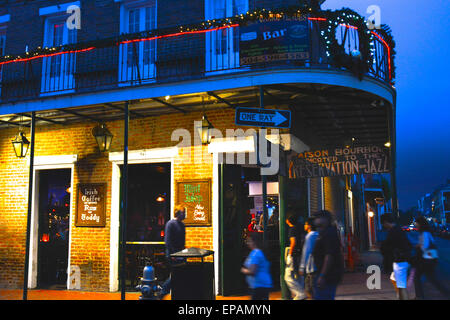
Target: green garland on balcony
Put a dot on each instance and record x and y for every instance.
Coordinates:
(358, 63)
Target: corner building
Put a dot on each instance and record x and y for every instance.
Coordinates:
(149, 71)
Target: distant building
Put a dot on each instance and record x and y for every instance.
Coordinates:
(437, 203)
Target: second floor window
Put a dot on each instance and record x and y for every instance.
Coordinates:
(138, 58)
(58, 70)
(223, 45)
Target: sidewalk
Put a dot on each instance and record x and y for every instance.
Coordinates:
(353, 287)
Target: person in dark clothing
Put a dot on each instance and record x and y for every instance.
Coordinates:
(327, 256)
(175, 238)
(294, 282)
(396, 251)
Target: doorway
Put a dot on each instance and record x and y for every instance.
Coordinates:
(54, 190)
(149, 203)
(241, 213)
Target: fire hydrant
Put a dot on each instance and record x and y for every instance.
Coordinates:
(148, 286)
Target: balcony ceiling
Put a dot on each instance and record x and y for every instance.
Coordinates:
(322, 115)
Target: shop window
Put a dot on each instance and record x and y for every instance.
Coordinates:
(222, 46)
(137, 59)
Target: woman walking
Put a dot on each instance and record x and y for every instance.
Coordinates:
(257, 269)
(426, 260)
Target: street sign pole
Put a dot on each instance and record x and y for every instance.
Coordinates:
(264, 177)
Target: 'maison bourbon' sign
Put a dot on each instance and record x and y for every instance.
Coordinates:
(91, 205)
(340, 162)
(195, 196)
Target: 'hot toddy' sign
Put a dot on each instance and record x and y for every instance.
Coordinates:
(195, 195)
(91, 205)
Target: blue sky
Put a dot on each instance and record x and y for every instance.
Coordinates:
(421, 30)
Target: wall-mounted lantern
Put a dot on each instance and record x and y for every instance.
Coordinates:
(21, 145)
(103, 137)
(205, 130)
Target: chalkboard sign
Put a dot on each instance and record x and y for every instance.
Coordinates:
(195, 196)
(91, 205)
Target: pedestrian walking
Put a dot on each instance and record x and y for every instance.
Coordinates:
(174, 238)
(396, 251)
(293, 280)
(307, 268)
(257, 269)
(426, 260)
(327, 256)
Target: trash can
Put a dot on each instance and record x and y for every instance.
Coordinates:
(193, 280)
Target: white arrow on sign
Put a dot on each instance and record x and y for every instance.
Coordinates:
(276, 118)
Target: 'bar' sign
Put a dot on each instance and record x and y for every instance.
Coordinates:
(268, 118)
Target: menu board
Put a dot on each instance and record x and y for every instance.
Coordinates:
(195, 196)
(91, 205)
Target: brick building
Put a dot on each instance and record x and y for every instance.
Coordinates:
(157, 63)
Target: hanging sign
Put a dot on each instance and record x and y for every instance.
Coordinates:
(340, 162)
(274, 40)
(91, 205)
(195, 196)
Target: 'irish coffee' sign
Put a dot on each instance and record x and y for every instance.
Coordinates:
(340, 162)
(91, 205)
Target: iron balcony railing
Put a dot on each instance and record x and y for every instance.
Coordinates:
(175, 57)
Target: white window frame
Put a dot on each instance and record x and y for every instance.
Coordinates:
(228, 58)
(127, 70)
(167, 155)
(48, 163)
(64, 81)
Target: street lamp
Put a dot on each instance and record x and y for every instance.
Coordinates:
(103, 137)
(205, 130)
(21, 145)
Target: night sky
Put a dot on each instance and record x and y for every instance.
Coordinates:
(421, 31)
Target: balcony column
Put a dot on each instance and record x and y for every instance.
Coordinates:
(393, 155)
(123, 222)
(30, 198)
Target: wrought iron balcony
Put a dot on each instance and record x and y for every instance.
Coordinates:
(162, 56)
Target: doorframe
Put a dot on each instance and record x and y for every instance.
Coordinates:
(145, 156)
(219, 147)
(47, 163)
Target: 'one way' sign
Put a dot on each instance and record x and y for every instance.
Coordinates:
(269, 118)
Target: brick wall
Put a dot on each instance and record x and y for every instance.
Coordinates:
(89, 246)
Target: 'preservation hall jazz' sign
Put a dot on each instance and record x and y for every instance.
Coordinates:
(340, 162)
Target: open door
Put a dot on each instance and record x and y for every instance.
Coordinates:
(54, 210)
(232, 225)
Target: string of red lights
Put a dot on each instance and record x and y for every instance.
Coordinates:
(185, 33)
